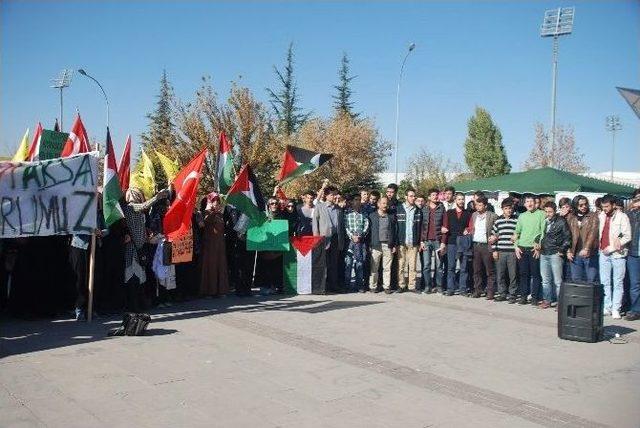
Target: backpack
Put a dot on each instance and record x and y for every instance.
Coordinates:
(132, 325)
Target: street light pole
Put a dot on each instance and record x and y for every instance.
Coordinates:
(557, 22)
(412, 46)
(62, 81)
(84, 73)
(613, 124)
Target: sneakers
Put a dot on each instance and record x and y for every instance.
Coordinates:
(80, 315)
(511, 300)
(615, 315)
(500, 298)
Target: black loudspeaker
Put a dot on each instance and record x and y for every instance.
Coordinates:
(580, 311)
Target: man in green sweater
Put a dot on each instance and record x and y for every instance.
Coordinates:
(529, 230)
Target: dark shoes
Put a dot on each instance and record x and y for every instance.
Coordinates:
(401, 290)
(632, 316)
(500, 298)
(534, 302)
(512, 300)
(523, 301)
(387, 291)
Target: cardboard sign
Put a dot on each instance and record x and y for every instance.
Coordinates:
(272, 235)
(49, 197)
(182, 249)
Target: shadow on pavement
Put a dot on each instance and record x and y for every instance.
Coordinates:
(21, 337)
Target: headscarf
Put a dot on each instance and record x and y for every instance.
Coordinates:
(134, 195)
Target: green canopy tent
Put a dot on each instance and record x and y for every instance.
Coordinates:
(544, 181)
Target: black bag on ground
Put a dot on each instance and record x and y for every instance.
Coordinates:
(132, 325)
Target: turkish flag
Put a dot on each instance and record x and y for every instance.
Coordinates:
(124, 170)
(177, 221)
(78, 141)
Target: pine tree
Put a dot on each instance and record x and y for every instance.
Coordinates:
(343, 103)
(285, 101)
(160, 135)
(483, 150)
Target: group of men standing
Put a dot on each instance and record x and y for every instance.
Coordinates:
(521, 256)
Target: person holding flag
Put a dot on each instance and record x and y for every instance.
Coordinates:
(82, 245)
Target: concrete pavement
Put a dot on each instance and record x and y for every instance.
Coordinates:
(369, 360)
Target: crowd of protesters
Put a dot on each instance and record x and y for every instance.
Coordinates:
(431, 243)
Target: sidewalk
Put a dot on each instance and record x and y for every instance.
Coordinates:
(369, 360)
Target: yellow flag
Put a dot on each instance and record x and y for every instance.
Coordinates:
(23, 150)
(143, 176)
(171, 168)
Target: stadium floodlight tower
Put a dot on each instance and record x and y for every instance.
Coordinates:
(557, 22)
(62, 81)
(613, 124)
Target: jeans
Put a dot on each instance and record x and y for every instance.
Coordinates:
(529, 274)
(612, 266)
(551, 266)
(452, 257)
(354, 263)
(430, 251)
(584, 268)
(633, 267)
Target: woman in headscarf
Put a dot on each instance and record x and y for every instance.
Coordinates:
(214, 279)
(134, 270)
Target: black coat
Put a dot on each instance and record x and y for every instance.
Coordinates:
(557, 239)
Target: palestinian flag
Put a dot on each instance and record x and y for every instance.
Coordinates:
(245, 195)
(112, 193)
(305, 265)
(225, 164)
(298, 162)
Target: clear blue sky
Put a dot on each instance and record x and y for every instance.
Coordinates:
(467, 54)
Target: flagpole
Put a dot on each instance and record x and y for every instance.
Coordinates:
(92, 266)
(253, 277)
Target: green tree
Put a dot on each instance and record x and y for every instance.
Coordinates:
(161, 132)
(483, 150)
(285, 101)
(342, 99)
(161, 129)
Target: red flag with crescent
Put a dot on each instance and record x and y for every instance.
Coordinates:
(177, 221)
